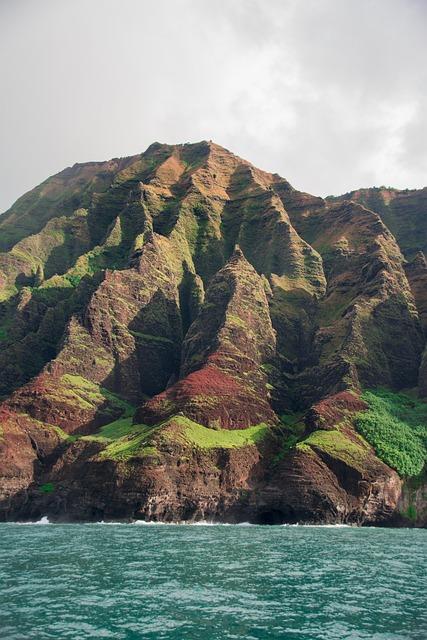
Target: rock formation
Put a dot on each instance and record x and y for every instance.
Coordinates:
(185, 336)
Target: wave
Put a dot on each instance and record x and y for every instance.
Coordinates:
(190, 523)
(43, 520)
(323, 526)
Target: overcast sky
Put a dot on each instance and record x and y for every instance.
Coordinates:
(331, 94)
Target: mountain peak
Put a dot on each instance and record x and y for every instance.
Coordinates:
(204, 334)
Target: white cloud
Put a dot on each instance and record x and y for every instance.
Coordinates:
(330, 93)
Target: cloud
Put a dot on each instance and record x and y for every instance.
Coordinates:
(329, 94)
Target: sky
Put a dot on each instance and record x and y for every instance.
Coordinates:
(330, 94)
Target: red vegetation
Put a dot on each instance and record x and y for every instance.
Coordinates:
(211, 397)
(333, 409)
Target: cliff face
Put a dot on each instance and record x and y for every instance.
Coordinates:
(184, 336)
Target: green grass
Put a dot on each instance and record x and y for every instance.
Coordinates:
(335, 443)
(204, 438)
(88, 394)
(117, 429)
(114, 430)
(124, 439)
(84, 393)
(131, 444)
(396, 426)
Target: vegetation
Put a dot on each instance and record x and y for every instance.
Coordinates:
(3, 333)
(196, 434)
(396, 426)
(132, 443)
(123, 438)
(337, 444)
(291, 430)
(411, 513)
(88, 394)
(146, 337)
(48, 487)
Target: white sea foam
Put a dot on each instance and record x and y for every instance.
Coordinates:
(198, 523)
(321, 526)
(43, 520)
(191, 523)
(180, 523)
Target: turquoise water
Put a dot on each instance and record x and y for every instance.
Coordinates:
(211, 582)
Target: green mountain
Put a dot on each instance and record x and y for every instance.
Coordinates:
(185, 336)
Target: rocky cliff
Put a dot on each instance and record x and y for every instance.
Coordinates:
(185, 336)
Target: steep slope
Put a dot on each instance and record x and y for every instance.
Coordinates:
(369, 326)
(403, 211)
(184, 336)
(222, 384)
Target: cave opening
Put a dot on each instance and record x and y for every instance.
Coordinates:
(272, 516)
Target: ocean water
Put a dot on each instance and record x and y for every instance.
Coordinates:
(211, 582)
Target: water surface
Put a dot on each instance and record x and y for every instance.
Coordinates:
(211, 582)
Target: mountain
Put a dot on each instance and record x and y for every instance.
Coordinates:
(185, 336)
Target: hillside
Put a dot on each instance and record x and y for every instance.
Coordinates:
(185, 336)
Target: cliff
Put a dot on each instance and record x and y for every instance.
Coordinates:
(185, 336)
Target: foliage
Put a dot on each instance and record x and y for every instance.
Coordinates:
(411, 513)
(204, 438)
(49, 487)
(291, 430)
(396, 426)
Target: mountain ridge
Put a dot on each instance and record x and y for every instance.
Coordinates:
(154, 307)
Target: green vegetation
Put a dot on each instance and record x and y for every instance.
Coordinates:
(411, 513)
(117, 429)
(7, 292)
(3, 333)
(146, 337)
(88, 264)
(196, 434)
(6, 324)
(337, 444)
(291, 430)
(236, 321)
(88, 394)
(130, 444)
(84, 393)
(49, 487)
(123, 438)
(62, 435)
(396, 426)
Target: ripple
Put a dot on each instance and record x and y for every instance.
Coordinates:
(211, 582)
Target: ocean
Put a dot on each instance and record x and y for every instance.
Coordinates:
(211, 582)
